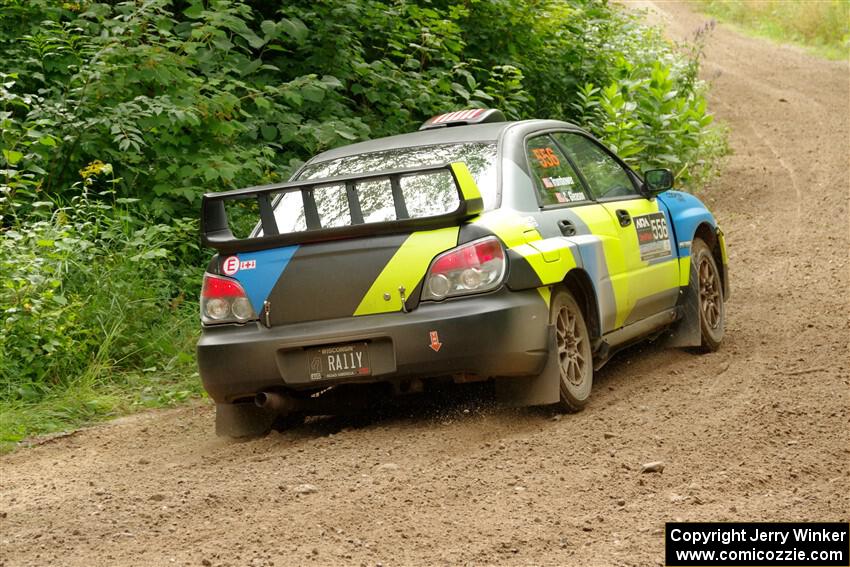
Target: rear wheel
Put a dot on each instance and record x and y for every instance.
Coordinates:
(712, 310)
(572, 342)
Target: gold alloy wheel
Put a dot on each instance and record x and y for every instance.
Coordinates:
(709, 293)
(569, 337)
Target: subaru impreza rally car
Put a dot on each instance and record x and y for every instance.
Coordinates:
(474, 249)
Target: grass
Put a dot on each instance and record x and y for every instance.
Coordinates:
(822, 26)
(108, 385)
(86, 401)
(105, 388)
(96, 321)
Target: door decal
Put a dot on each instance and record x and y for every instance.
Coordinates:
(653, 236)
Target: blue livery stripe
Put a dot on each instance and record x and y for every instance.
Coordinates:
(259, 281)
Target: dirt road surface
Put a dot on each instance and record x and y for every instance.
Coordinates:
(757, 431)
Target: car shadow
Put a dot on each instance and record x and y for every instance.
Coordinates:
(439, 404)
(448, 402)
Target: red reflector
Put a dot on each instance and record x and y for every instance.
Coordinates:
(215, 286)
(471, 256)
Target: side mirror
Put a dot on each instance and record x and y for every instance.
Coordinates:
(657, 181)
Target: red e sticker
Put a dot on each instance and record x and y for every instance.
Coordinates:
(230, 265)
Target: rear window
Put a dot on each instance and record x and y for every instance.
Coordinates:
(424, 194)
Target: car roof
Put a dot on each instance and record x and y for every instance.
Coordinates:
(487, 132)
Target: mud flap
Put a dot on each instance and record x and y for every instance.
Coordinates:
(242, 420)
(543, 389)
(686, 332)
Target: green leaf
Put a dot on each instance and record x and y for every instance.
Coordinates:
(293, 98)
(312, 93)
(346, 133)
(269, 132)
(253, 39)
(269, 28)
(251, 67)
(47, 141)
(670, 158)
(194, 11)
(262, 103)
(332, 82)
(287, 132)
(223, 43)
(210, 174)
(461, 91)
(12, 156)
(294, 27)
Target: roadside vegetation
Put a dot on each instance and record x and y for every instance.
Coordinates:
(820, 25)
(116, 117)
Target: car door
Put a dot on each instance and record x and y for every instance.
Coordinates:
(642, 225)
(568, 210)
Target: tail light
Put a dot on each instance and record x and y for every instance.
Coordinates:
(472, 268)
(224, 301)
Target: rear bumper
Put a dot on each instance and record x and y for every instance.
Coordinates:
(500, 334)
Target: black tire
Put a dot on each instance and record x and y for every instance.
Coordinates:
(712, 305)
(572, 341)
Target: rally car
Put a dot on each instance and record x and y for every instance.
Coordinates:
(523, 252)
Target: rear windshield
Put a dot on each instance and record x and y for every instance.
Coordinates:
(424, 195)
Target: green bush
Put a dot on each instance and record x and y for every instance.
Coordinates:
(92, 292)
(184, 98)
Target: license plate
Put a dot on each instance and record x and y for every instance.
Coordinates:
(338, 361)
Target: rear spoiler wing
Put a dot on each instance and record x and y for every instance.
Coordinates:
(216, 233)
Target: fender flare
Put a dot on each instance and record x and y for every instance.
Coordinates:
(687, 332)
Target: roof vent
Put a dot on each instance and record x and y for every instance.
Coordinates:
(464, 117)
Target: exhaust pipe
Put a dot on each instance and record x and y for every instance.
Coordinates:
(330, 404)
(275, 402)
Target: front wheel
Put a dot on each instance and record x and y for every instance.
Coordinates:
(712, 309)
(574, 353)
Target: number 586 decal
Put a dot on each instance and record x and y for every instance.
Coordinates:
(653, 236)
(546, 157)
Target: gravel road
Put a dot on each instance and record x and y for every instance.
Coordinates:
(757, 431)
